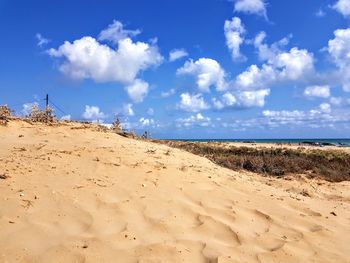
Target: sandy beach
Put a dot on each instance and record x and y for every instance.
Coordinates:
(288, 146)
(70, 193)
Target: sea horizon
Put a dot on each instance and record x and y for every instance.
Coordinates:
(336, 141)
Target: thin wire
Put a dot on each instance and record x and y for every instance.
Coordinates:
(62, 111)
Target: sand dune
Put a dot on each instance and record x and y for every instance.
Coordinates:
(74, 194)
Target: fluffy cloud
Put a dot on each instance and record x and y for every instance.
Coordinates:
(325, 107)
(176, 54)
(343, 7)
(339, 47)
(138, 90)
(194, 120)
(313, 116)
(86, 58)
(140, 124)
(256, 78)
(281, 115)
(242, 99)
(207, 73)
(234, 31)
(317, 92)
(192, 103)
(255, 98)
(93, 113)
(116, 32)
(320, 117)
(128, 110)
(267, 52)
(42, 41)
(339, 50)
(339, 101)
(251, 7)
(227, 100)
(146, 122)
(294, 65)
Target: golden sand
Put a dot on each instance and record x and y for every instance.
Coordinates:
(73, 194)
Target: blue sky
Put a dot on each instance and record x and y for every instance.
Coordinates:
(183, 69)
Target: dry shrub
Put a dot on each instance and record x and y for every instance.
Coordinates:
(117, 125)
(333, 166)
(101, 128)
(5, 114)
(45, 116)
(118, 129)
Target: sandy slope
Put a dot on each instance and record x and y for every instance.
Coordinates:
(78, 195)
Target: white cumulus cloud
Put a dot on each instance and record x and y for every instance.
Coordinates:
(339, 50)
(257, 7)
(234, 31)
(343, 7)
(325, 107)
(192, 103)
(256, 78)
(86, 58)
(254, 98)
(93, 113)
(268, 52)
(207, 73)
(194, 120)
(128, 110)
(146, 122)
(138, 90)
(294, 65)
(340, 101)
(242, 99)
(318, 117)
(317, 92)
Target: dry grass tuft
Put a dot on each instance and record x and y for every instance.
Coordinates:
(117, 125)
(3, 176)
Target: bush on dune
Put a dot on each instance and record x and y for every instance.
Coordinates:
(5, 114)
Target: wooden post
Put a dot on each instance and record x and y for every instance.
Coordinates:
(47, 101)
(47, 107)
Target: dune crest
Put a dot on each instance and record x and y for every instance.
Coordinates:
(70, 193)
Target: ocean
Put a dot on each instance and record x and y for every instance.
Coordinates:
(336, 142)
